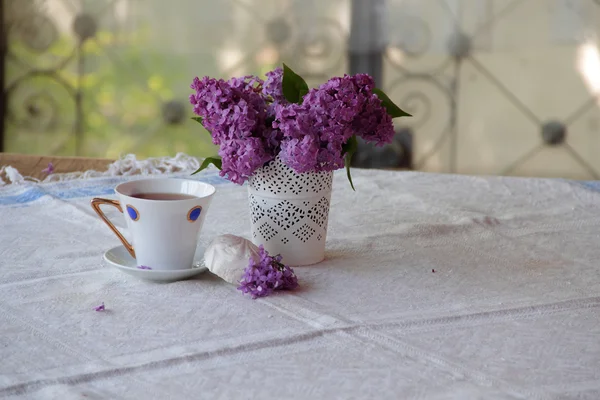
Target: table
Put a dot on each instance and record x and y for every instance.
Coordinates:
(434, 287)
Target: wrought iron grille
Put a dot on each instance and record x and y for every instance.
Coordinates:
(496, 86)
(506, 87)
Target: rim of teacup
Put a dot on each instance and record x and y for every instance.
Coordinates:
(119, 189)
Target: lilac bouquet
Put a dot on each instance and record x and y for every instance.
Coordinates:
(311, 130)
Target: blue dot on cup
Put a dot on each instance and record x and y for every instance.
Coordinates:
(133, 213)
(194, 213)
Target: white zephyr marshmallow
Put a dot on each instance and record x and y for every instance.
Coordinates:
(228, 255)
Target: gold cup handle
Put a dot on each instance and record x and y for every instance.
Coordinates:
(96, 203)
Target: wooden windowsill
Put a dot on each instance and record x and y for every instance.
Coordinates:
(32, 165)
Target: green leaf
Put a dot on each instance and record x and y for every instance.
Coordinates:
(197, 119)
(294, 87)
(348, 161)
(348, 149)
(350, 146)
(392, 109)
(216, 161)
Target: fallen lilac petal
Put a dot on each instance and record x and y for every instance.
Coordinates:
(49, 169)
(143, 267)
(265, 274)
(100, 307)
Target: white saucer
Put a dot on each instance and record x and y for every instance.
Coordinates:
(120, 258)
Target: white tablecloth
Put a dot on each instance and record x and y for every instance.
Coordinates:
(512, 310)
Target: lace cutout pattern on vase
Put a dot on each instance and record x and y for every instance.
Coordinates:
(276, 178)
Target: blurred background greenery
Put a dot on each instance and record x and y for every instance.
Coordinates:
(120, 111)
(103, 78)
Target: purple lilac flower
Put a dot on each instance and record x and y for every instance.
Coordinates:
(243, 157)
(374, 124)
(230, 110)
(265, 274)
(143, 267)
(49, 169)
(235, 113)
(315, 131)
(273, 86)
(100, 307)
(302, 155)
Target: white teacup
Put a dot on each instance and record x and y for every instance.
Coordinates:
(164, 217)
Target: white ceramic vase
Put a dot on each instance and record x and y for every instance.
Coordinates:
(289, 212)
